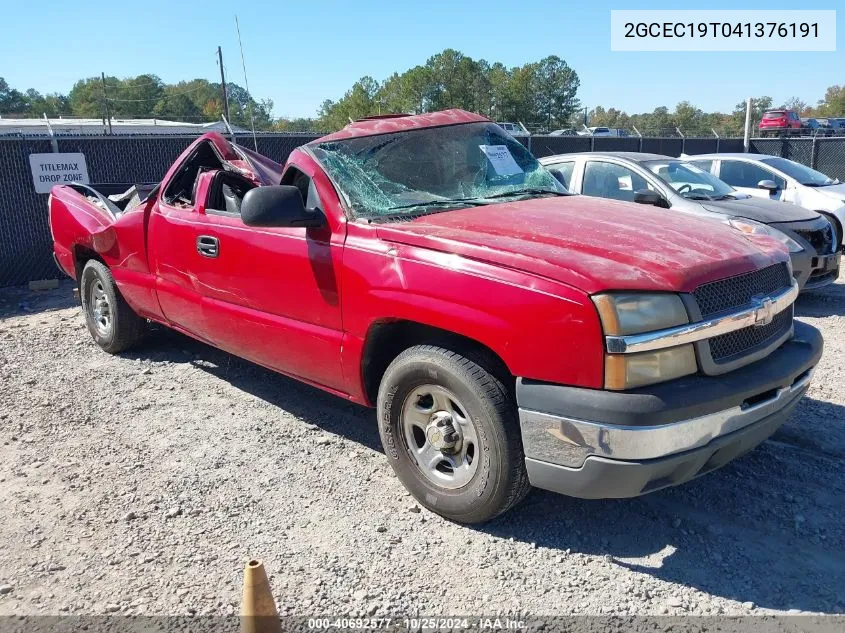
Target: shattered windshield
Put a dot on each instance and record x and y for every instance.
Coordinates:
(428, 170)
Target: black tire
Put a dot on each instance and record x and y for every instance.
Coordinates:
(125, 328)
(499, 480)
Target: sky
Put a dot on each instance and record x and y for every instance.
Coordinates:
(300, 53)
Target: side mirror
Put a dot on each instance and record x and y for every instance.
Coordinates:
(278, 206)
(768, 185)
(647, 196)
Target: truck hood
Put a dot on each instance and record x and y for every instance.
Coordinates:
(592, 244)
(761, 210)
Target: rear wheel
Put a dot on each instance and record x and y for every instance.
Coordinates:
(112, 323)
(450, 431)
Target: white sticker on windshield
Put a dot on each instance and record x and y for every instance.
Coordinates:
(501, 159)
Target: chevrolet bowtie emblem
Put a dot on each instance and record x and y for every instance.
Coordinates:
(764, 311)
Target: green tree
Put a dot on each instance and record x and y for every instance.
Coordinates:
(833, 103)
(11, 101)
(794, 103)
(177, 106)
(556, 85)
(87, 97)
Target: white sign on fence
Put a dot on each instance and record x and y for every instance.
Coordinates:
(57, 169)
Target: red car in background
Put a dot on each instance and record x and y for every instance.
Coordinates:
(779, 123)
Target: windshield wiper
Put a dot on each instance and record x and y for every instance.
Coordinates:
(472, 202)
(697, 196)
(727, 196)
(520, 192)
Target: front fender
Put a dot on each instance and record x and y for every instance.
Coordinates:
(541, 329)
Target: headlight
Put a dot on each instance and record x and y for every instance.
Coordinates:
(757, 228)
(622, 314)
(634, 313)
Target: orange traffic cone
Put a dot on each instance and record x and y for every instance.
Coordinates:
(258, 609)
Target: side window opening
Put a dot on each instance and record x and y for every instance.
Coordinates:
(704, 165)
(181, 191)
(563, 172)
(741, 174)
(307, 190)
(227, 193)
(608, 180)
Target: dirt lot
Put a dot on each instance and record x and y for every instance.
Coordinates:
(138, 484)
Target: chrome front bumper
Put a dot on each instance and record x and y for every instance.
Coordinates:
(641, 441)
(569, 442)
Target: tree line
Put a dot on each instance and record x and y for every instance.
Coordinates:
(542, 95)
(690, 119)
(144, 96)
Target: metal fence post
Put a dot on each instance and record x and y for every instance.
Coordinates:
(814, 154)
(53, 142)
(592, 143)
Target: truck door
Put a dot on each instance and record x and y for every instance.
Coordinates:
(271, 294)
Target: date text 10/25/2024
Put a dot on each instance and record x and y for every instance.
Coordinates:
(418, 623)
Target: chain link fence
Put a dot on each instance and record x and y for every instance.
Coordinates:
(25, 242)
(26, 251)
(826, 155)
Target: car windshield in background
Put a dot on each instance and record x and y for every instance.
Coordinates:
(801, 173)
(689, 181)
(428, 170)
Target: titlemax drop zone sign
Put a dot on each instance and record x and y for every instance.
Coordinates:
(57, 169)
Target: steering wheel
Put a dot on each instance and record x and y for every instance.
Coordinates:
(685, 187)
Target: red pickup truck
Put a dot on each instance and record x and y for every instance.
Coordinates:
(509, 334)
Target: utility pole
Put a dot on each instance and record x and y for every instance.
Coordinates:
(746, 141)
(223, 84)
(106, 99)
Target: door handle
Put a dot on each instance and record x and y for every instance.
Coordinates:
(208, 246)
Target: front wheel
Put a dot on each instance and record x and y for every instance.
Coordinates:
(112, 323)
(450, 432)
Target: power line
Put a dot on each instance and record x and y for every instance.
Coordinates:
(124, 82)
(166, 95)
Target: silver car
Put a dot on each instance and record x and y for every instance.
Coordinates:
(775, 178)
(675, 184)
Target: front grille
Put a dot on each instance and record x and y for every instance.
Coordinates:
(728, 347)
(820, 239)
(737, 292)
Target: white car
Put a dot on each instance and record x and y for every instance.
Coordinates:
(602, 131)
(777, 178)
(514, 129)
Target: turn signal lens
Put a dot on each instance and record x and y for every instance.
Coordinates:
(628, 371)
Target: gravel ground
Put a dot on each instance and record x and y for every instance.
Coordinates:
(137, 484)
